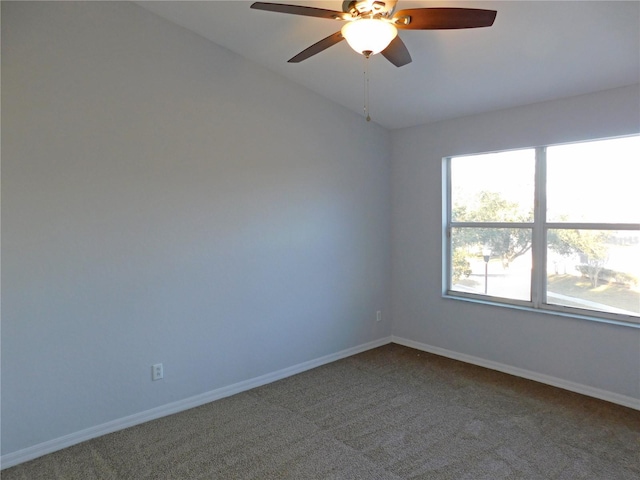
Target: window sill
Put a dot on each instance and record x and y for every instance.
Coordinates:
(546, 311)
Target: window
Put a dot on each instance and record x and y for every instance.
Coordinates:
(555, 228)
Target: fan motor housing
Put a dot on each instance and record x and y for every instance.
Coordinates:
(369, 7)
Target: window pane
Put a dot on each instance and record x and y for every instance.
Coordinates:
(492, 261)
(594, 269)
(594, 181)
(495, 187)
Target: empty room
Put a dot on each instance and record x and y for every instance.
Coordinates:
(320, 239)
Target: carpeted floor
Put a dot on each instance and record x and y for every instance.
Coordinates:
(389, 413)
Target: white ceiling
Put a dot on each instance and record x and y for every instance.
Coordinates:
(535, 51)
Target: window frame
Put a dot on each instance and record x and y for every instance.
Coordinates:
(539, 228)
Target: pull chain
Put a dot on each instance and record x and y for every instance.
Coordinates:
(366, 87)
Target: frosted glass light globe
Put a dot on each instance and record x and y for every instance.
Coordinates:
(369, 35)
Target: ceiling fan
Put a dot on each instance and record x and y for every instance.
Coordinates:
(372, 25)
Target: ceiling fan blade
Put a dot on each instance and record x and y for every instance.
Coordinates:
(397, 52)
(443, 18)
(299, 10)
(318, 47)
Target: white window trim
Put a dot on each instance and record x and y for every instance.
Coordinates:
(539, 228)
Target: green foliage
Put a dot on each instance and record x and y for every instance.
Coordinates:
(505, 243)
(590, 245)
(491, 207)
(460, 265)
(611, 276)
(509, 243)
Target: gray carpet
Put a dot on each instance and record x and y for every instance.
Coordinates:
(389, 413)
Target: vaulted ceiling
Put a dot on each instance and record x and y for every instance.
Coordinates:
(535, 51)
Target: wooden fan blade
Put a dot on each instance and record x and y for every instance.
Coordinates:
(443, 18)
(397, 52)
(318, 47)
(298, 10)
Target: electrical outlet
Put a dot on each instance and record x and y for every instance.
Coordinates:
(157, 372)
(378, 316)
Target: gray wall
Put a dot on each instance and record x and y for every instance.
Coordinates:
(164, 200)
(596, 355)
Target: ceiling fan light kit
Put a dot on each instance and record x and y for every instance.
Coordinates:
(369, 36)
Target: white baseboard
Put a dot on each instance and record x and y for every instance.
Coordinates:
(24, 455)
(616, 398)
(50, 446)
